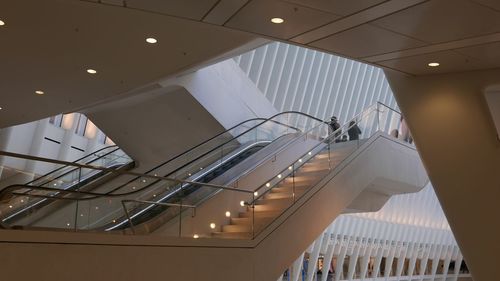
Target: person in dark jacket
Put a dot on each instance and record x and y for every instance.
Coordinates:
(335, 126)
(353, 131)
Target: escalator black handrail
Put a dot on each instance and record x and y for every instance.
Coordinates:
(95, 195)
(217, 147)
(87, 163)
(77, 160)
(110, 170)
(239, 124)
(72, 170)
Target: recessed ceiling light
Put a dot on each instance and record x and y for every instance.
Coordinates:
(91, 71)
(433, 64)
(277, 20)
(151, 40)
(39, 92)
(212, 225)
(2, 22)
(1, 108)
(228, 214)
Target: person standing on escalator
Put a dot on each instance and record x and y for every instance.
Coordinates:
(353, 131)
(335, 127)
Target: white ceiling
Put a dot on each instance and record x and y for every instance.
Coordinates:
(49, 44)
(403, 35)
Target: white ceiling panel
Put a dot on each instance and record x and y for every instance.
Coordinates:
(338, 7)
(223, 11)
(255, 17)
(443, 20)
(449, 61)
(362, 17)
(366, 40)
(192, 9)
(488, 54)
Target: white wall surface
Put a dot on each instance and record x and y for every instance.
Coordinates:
(226, 92)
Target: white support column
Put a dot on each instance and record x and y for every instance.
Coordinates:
(313, 258)
(413, 259)
(401, 259)
(327, 261)
(296, 268)
(458, 263)
(447, 260)
(353, 260)
(393, 251)
(340, 259)
(435, 260)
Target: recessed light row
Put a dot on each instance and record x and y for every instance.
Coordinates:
(90, 71)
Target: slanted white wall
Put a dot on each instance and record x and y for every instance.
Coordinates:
(226, 92)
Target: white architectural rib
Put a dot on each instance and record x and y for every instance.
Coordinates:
(314, 82)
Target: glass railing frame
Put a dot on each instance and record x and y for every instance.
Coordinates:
(80, 159)
(219, 146)
(251, 203)
(333, 136)
(92, 195)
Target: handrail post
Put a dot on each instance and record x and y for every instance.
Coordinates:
(293, 182)
(329, 156)
(378, 116)
(253, 215)
(180, 219)
(77, 201)
(132, 226)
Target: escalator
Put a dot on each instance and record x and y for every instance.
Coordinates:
(202, 164)
(70, 178)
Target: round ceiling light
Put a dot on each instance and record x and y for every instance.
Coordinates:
(2, 22)
(151, 40)
(277, 20)
(433, 64)
(91, 71)
(39, 92)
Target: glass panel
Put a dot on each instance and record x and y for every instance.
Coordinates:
(170, 206)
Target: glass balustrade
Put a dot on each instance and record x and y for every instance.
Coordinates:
(172, 205)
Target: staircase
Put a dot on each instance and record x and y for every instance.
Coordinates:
(282, 195)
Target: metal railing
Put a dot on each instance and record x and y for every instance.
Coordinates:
(375, 118)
